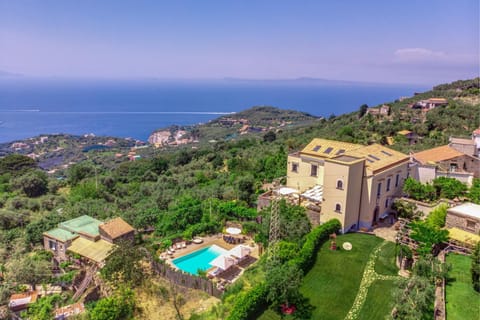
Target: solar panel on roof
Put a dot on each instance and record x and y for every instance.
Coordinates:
(371, 161)
(328, 150)
(316, 148)
(387, 153)
(373, 157)
(340, 151)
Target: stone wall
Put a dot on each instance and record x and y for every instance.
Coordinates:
(460, 222)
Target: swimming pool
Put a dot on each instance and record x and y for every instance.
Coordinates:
(199, 259)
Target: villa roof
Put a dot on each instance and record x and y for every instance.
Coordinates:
(377, 156)
(467, 209)
(436, 154)
(116, 228)
(462, 141)
(82, 225)
(60, 234)
(94, 250)
(328, 148)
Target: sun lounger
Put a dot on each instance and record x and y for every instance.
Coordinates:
(184, 245)
(179, 246)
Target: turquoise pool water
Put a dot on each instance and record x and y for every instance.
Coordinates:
(199, 259)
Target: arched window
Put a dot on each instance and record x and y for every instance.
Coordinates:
(340, 184)
(338, 207)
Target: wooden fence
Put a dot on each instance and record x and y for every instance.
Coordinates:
(185, 279)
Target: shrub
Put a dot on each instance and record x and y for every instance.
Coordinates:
(437, 216)
(249, 303)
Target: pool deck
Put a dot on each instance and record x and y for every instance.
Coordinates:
(208, 241)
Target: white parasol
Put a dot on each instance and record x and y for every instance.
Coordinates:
(239, 251)
(223, 262)
(233, 231)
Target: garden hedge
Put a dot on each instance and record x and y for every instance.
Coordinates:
(250, 303)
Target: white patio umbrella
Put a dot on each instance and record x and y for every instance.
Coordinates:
(239, 251)
(233, 231)
(223, 262)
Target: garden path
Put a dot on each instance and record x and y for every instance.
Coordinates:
(369, 276)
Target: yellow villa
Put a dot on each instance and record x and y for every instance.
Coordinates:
(353, 183)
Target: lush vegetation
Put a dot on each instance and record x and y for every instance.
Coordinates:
(442, 187)
(462, 300)
(182, 192)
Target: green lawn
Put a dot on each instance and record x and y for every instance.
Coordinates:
(333, 282)
(462, 302)
(379, 302)
(386, 263)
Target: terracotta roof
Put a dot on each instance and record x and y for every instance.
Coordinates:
(437, 154)
(20, 299)
(116, 228)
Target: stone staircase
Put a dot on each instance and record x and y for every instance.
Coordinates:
(90, 273)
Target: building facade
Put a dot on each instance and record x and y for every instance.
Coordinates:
(465, 217)
(359, 182)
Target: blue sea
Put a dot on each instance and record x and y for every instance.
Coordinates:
(29, 107)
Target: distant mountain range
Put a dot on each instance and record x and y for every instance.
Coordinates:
(4, 73)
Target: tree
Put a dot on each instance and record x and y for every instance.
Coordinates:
(449, 188)
(362, 110)
(407, 210)
(32, 269)
(16, 164)
(33, 183)
(475, 269)
(42, 309)
(78, 172)
(427, 236)
(474, 192)
(419, 191)
(437, 216)
(270, 136)
(119, 306)
(124, 263)
(283, 282)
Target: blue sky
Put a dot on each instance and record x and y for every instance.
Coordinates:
(426, 42)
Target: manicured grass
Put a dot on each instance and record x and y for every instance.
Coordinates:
(333, 282)
(379, 303)
(462, 302)
(385, 263)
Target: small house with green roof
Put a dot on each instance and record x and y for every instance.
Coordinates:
(83, 236)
